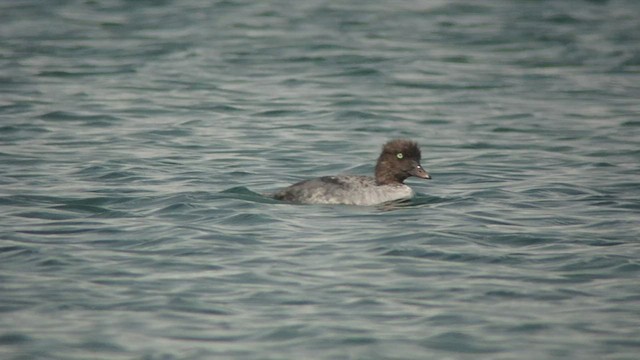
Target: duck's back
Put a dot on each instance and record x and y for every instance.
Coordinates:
(344, 189)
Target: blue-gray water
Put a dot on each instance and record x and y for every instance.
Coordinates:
(137, 136)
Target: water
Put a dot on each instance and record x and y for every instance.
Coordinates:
(136, 138)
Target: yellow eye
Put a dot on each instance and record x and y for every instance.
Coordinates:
(400, 156)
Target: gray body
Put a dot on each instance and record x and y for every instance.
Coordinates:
(344, 189)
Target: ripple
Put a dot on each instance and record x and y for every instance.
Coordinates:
(243, 193)
(14, 339)
(459, 342)
(93, 119)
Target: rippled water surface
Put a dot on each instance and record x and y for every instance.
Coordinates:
(137, 139)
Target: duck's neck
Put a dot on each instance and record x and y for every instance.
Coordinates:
(385, 175)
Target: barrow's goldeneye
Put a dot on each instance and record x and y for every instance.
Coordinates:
(399, 160)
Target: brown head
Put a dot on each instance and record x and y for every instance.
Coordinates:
(399, 160)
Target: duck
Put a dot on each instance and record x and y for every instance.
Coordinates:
(398, 160)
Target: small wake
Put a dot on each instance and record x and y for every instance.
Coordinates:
(243, 193)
